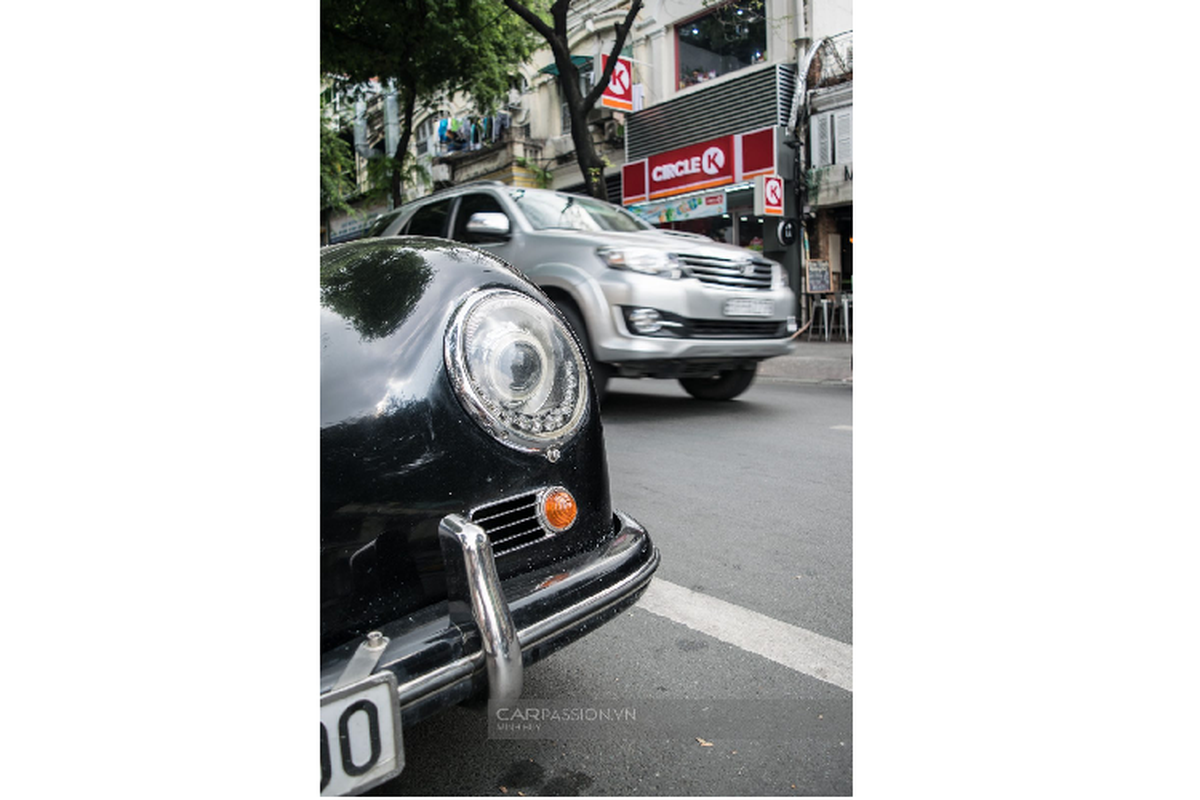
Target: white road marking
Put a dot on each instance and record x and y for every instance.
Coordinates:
(796, 648)
(841, 428)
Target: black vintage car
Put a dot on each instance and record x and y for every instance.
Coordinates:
(466, 524)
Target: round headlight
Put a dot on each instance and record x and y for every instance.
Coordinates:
(516, 369)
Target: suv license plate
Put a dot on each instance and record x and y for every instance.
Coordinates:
(748, 307)
(361, 740)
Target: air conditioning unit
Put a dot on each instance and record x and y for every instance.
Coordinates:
(559, 145)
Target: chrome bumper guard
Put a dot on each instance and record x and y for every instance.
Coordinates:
(476, 599)
(475, 595)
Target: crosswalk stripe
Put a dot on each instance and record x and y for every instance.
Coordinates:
(796, 648)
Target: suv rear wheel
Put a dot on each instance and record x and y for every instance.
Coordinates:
(722, 386)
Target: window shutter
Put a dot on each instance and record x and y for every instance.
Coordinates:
(845, 138)
(821, 153)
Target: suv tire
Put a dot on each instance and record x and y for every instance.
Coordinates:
(722, 386)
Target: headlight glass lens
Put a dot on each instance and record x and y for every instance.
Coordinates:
(517, 369)
(642, 259)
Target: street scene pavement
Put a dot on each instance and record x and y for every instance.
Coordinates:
(748, 615)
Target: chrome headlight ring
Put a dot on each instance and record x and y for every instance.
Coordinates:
(517, 370)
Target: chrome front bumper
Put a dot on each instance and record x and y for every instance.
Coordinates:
(487, 631)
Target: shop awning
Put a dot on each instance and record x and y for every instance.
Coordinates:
(578, 61)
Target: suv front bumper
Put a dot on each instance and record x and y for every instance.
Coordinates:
(613, 342)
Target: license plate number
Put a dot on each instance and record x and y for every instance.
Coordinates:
(361, 739)
(748, 307)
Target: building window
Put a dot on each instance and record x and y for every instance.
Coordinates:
(833, 138)
(426, 140)
(726, 39)
(585, 85)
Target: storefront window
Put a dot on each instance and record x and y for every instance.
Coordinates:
(728, 38)
(736, 224)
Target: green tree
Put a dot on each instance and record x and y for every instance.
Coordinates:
(337, 168)
(427, 48)
(591, 164)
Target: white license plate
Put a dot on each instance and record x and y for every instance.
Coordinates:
(361, 740)
(749, 307)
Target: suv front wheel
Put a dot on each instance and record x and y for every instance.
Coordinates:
(601, 372)
(722, 386)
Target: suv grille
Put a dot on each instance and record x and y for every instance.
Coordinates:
(731, 329)
(728, 273)
(510, 524)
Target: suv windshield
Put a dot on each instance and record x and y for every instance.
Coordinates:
(552, 210)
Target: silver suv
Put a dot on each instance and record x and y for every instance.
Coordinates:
(644, 302)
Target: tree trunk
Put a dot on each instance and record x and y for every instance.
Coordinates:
(590, 163)
(409, 97)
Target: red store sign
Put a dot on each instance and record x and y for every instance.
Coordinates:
(716, 162)
(619, 92)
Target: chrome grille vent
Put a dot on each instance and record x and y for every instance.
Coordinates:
(728, 273)
(511, 524)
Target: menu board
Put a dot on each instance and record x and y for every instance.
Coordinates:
(819, 279)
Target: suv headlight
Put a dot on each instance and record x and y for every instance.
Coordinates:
(517, 370)
(641, 259)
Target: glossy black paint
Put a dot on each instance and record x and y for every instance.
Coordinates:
(398, 451)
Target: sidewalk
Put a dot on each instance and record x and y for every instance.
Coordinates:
(812, 362)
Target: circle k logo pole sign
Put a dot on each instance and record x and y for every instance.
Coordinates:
(619, 92)
(772, 189)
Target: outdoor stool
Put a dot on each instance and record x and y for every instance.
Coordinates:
(837, 319)
(823, 318)
(841, 317)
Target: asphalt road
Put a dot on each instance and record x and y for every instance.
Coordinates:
(750, 503)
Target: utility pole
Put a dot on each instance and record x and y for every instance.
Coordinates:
(795, 140)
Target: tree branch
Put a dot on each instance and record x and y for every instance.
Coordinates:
(533, 19)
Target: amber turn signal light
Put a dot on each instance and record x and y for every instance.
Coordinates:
(557, 509)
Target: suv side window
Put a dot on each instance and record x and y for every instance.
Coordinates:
(470, 204)
(429, 220)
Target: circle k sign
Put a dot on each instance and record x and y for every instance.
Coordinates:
(700, 166)
(773, 195)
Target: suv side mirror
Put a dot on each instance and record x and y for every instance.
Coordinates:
(489, 225)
